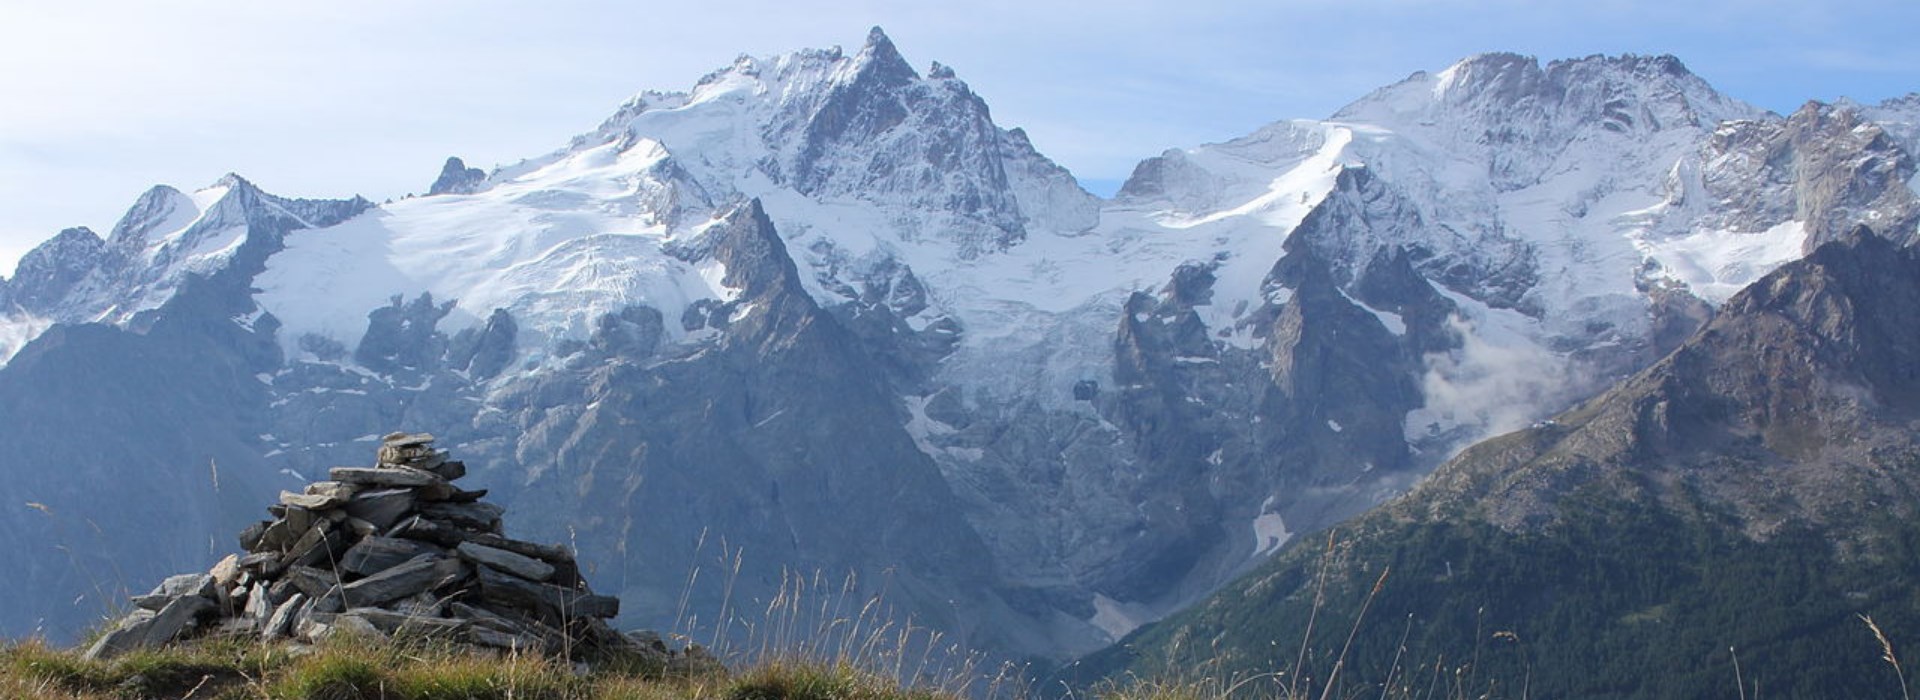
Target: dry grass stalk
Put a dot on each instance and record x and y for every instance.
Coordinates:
(1887, 655)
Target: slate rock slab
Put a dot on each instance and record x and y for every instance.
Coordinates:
(519, 565)
(381, 508)
(425, 573)
(385, 476)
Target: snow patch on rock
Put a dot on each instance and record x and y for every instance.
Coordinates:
(1269, 531)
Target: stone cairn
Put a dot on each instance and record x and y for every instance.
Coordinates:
(395, 549)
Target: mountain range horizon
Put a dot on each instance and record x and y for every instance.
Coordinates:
(821, 309)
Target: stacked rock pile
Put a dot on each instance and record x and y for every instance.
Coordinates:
(391, 549)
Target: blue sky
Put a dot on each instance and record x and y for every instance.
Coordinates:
(101, 99)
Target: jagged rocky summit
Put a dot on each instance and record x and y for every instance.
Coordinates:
(392, 549)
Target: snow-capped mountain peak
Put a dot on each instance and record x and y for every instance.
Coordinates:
(161, 208)
(880, 61)
(45, 273)
(1509, 101)
(166, 237)
(857, 159)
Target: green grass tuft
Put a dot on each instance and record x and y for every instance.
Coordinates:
(333, 675)
(791, 681)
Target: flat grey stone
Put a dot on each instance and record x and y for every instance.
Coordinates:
(311, 501)
(390, 456)
(519, 565)
(126, 636)
(301, 519)
(424, 573)
(250, 537)
(259, 604)
(332, 488)
(484, 517)
(376, 554)
(381, 508)
(281, 590)
(360, 528)
(465, 496)
(226, 573)
(422, 605)
(175, 618)
(150, 603)
(449, 469)
(311, 581)
(353, 624)
(385, 476)
(406, 439)
(185, 585)
(175, 587)
(420, 528)
(509, 641)
(545, 552)
(262, 564)
(482, 616)
(392, 622)
(333, 601)
(544, 600)
(312, 626)
(277, 536)
(320, 546)
(235, 627)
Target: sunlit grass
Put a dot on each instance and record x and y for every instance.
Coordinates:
(359, 669)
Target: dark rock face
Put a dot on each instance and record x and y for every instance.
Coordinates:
(1528, 109)
(403, 337)
(487, 352)
(859, 110)
(876, 316)
(760, 441)
(635, 332)
(1823, 165)
(457, 178)
(47, 272)
(885, 133)
(1311, 415)
(1334, 361)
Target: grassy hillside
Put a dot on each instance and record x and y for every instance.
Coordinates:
(1619, 601)
(357, 669)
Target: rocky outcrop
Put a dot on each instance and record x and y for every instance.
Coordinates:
(1824, 165)
(403, 337)
(46, 273)
(457, 178)
(395, 549)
